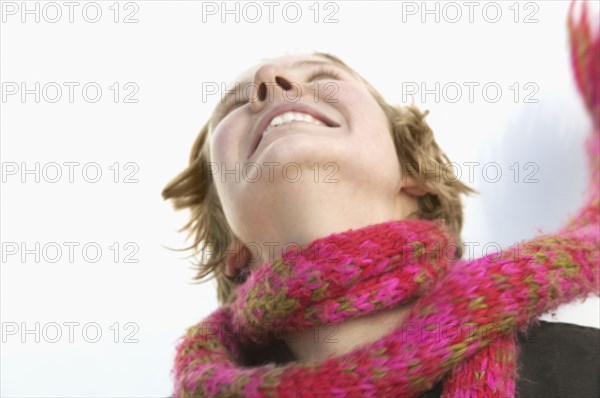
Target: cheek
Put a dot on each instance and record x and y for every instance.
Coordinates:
(224, 144)
(382, 158)
(224, 154)
(372, 139)
(362, 111)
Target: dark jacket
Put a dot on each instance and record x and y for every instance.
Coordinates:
(557, 360)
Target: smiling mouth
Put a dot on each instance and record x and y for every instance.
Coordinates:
(273, 129)
(291, 117)
(289, 114)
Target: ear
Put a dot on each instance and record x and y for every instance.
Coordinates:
(236, 258)
(413, 187)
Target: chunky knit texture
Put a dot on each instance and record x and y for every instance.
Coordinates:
(465, 316)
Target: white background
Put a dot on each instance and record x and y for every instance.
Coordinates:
(169, 54)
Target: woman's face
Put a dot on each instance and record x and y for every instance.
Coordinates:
(301, 126)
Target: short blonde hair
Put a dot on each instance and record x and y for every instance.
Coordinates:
(418, 154)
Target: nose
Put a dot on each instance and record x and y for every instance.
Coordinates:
(271, 84)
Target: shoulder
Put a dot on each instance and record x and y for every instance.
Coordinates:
(555, 360)
(559, 360)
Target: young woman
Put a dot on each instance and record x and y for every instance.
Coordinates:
(316, 201)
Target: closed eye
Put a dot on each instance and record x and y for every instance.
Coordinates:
(324, 73)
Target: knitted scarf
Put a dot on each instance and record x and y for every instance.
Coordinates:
(465, 316)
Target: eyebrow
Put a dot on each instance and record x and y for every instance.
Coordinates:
(238, 86)
(315, 62)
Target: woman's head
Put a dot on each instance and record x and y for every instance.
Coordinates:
(343, 158)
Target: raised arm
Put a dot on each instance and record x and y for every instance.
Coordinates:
(585, 54)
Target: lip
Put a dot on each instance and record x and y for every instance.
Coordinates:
(257, 133)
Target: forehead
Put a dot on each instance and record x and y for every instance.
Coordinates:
(287, 62)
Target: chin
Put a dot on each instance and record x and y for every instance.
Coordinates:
(301, 149)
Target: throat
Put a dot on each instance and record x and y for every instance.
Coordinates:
(320, 342)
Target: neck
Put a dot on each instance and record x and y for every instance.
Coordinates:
(274, 234)
(317, 343)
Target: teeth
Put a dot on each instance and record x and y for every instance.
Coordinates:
(276, 121)
(292, 116)
(288, 117)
